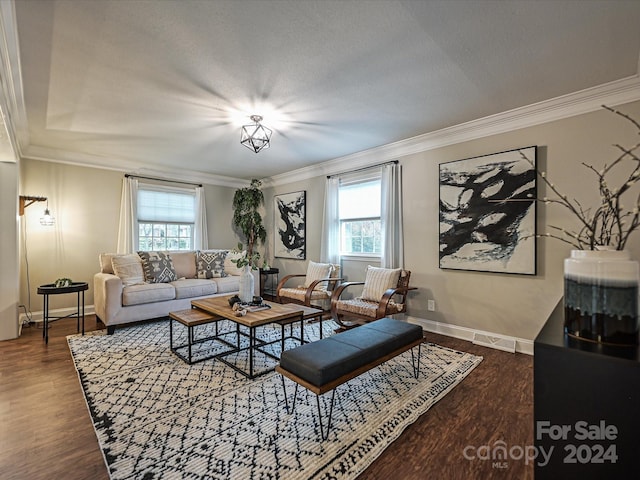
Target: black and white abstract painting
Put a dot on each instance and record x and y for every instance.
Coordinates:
(488, 213)
(290, 221)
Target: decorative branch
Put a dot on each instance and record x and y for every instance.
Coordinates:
(609, 224)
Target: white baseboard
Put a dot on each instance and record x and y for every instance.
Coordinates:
(521, 345)
(59, 312)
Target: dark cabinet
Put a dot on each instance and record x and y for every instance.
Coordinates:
(586, 406)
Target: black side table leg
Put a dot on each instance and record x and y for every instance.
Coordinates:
(82, 312)
(45, 325)
(78, 313)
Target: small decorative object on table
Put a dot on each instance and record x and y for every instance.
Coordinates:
(63, 282)
(600, 279)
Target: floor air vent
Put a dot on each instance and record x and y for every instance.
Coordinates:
(500, 343)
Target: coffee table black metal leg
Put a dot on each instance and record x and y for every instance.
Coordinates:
(171, 333)
(252, 335)
(190, 340)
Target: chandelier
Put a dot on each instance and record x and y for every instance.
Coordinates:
(255, 137)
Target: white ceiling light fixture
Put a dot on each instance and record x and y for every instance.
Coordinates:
(255, 137)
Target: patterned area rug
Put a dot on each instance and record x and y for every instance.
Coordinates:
(157, 417)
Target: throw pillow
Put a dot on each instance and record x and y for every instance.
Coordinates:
(378, 281)
(158, 267)
(128, 268)
(210, 264)
(229, 267)
(317, 271)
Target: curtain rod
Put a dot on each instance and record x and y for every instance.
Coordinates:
(365, 168)
(127, 175)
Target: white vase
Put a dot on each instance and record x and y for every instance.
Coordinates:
(246, 285)
(601, 296)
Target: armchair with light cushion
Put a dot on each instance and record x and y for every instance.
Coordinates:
(320, 280)
(384, 294)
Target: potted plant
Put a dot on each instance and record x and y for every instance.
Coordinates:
(247, 219)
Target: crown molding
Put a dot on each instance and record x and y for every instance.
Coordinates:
(12, 106)
(584, 101)
(128, 166)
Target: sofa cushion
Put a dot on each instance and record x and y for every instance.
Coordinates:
(227, 284)
(158, 267)
(194, 287)
(231, 268)
(210, 264)
(128, 268)
(184, 264)
(147, 293)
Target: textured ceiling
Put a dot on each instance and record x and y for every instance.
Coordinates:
(167, 84)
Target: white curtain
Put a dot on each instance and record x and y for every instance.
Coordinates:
(330, 247)
(200, 238)
(128, 225)
(391, 217)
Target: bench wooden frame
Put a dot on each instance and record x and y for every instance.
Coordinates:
(332, 386)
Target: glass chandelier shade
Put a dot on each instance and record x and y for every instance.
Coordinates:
(255, 137)
(47, 219)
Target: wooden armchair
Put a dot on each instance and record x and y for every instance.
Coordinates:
(316, 288)
(384, 293)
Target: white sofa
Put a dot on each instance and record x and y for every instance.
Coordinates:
(119, 299)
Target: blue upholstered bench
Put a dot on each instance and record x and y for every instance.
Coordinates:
(324, 365)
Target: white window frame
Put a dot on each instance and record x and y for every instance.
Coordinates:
(351, 180)
(155, 218)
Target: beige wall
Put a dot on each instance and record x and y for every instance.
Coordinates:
(86, 204)
(513, 305)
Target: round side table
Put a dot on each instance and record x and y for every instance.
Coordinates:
(51, 289)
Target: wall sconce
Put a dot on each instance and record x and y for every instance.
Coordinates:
(46, 219)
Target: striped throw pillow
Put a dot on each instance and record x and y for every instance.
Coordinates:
(317, 271)
(378, 281)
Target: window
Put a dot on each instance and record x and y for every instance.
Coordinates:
(359, 206)
(166, 218)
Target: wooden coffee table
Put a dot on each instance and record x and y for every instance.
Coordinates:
(283, 314)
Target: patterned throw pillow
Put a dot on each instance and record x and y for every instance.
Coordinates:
(210, 264)
(378, 281)
(317, 271)
(158, 267)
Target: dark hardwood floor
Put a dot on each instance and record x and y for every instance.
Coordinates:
(46, 431)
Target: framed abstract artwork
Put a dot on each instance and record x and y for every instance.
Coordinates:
(290, 222)
(488, 213)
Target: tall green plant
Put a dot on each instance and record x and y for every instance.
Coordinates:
(246, 218)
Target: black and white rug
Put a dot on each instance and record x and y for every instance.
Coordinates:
(158, 418)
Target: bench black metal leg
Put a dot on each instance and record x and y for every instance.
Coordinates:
(286, 400)
(414, 364)
(284, 389)
(324, 434)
